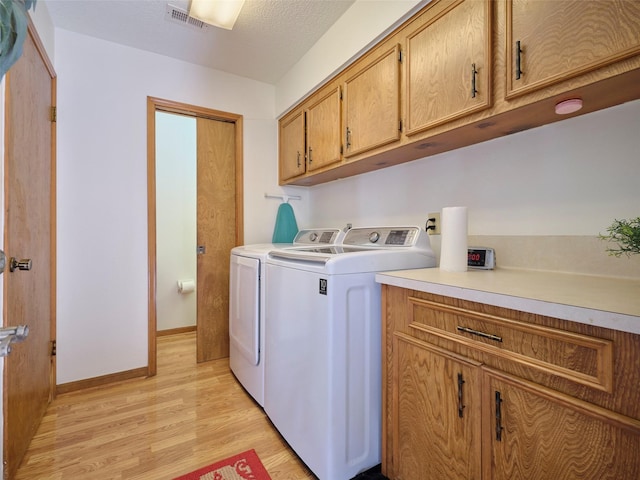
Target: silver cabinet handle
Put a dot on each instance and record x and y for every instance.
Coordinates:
(490, 336)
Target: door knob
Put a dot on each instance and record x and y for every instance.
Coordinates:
(11, 335)
(24, 264)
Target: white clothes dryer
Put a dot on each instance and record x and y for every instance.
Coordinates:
(247, 305)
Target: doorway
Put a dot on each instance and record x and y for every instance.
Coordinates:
(219, 223)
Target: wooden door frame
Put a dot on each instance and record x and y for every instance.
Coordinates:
(160, 105)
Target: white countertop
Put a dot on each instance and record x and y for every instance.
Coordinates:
(608, 302)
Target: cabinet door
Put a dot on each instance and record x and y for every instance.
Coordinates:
(435, 413)
(448, 70)
(372, 104)
(534, 433)
(292, 161)
(323, 131)
(549, 41)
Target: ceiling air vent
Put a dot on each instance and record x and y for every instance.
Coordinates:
(178, 15)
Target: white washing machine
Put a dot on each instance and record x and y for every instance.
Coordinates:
(247, 304)
(323, 337)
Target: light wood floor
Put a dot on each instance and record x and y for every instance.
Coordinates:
(186, 417)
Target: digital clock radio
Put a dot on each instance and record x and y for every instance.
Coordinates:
(481, 257)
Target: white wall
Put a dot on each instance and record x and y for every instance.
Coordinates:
(569, 178)
(176, 219)
(102, 178)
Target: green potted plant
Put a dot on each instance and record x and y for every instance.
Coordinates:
(626, 234)
(13, 31)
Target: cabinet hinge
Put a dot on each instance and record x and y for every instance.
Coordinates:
(340, 93)
(400, 126)
(341, 149)
(53, 348)
(54, 113)
(400, 56)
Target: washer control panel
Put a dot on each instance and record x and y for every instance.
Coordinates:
(382, 236)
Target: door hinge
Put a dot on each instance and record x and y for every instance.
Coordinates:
(54, 114)
(53, 348)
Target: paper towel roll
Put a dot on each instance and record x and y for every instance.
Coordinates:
(186, 286)
(453, 253)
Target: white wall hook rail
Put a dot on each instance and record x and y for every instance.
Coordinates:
(283, 196)
(11, 335)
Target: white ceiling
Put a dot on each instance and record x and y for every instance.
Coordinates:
(269, 37)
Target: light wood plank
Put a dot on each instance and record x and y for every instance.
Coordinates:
(189, 415)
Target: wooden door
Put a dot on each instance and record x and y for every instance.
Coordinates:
(435, 413)
(323, 131)
(29, 296)
(535, 433)
(372, 104)
(448, 65)
(216, 213)
(560, 40)
(292, 148)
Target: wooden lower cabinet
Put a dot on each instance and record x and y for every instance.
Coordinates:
(436, 413)
(455, 408)
(531, 432)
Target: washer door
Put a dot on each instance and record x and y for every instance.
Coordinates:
(244, 307)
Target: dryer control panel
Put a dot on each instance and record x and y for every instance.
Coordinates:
(319, 236)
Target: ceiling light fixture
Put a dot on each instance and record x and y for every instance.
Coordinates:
(569, 106)
(219, 13)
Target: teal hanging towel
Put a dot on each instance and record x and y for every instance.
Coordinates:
(286, 227)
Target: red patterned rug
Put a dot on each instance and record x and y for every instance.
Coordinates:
(244, 466)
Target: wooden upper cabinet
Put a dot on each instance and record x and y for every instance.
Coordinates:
(372, 104)
(452, 88)
(448, 64)
(323, 131)
(292, 146)
(549, 41)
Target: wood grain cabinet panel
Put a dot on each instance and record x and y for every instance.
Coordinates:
(459, 407)
(448, 65)
(292, 146)
(471, 71)
(323, 131)
(535, 433)
(549, 41)
(581, 358)
(372, 104)
(436, 411)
